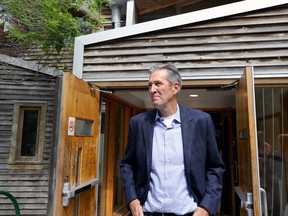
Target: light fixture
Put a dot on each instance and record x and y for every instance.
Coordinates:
(193, 95)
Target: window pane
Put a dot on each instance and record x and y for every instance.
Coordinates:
(84, 127)
(29, 133)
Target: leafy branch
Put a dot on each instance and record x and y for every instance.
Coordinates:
(50, 25)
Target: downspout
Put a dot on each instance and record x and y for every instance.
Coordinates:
(116, 15)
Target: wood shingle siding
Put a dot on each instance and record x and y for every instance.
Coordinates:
(30, 187)
(221, 47)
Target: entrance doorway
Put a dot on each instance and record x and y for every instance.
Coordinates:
(220, 103)
(116, 112)
(82, 169)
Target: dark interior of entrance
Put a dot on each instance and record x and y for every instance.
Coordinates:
(220, 104)
(272, 120)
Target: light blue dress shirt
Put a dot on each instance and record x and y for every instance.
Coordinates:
(168, 191)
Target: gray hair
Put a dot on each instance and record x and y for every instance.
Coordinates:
(173, 73)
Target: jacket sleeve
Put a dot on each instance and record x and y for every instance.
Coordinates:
(127, 167)
(214, 171)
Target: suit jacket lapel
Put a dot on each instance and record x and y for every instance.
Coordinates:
(187, 125)
(148, 129)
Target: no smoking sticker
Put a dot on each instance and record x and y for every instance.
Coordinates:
(71, 126)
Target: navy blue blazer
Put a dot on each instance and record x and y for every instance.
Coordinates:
(203, 165)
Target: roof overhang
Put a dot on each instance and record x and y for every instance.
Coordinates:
(165, 23)
(30, 65)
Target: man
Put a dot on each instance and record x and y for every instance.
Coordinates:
(171, 165)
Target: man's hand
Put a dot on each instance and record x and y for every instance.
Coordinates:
(201, 212)
(136, 208)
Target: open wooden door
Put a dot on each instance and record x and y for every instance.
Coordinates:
(77, 165)
(249, 186)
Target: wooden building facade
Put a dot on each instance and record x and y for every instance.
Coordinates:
(240, 47)
(28, 113)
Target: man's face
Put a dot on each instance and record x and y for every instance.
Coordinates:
(160, 90)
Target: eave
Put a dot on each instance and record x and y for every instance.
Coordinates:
(30, 65)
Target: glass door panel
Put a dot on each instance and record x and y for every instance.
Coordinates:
(272, 134)
(115, 117)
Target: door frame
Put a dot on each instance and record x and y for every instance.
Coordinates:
(203, 84)
(110, 140)
(247, 148)
(119, 85)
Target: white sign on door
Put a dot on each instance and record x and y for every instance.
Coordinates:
(71, 126)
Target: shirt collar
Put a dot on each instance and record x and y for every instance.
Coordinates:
(176, 118)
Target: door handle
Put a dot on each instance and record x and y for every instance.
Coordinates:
(68, 192)
(264, 202)
(246, 200)
(235, 171)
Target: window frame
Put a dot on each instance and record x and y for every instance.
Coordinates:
(16, 161)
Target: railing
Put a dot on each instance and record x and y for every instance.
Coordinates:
(14, 201)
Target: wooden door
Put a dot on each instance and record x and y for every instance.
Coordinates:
(246, 143)
(78, 152)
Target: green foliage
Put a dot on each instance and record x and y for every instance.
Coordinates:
(49, 24)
